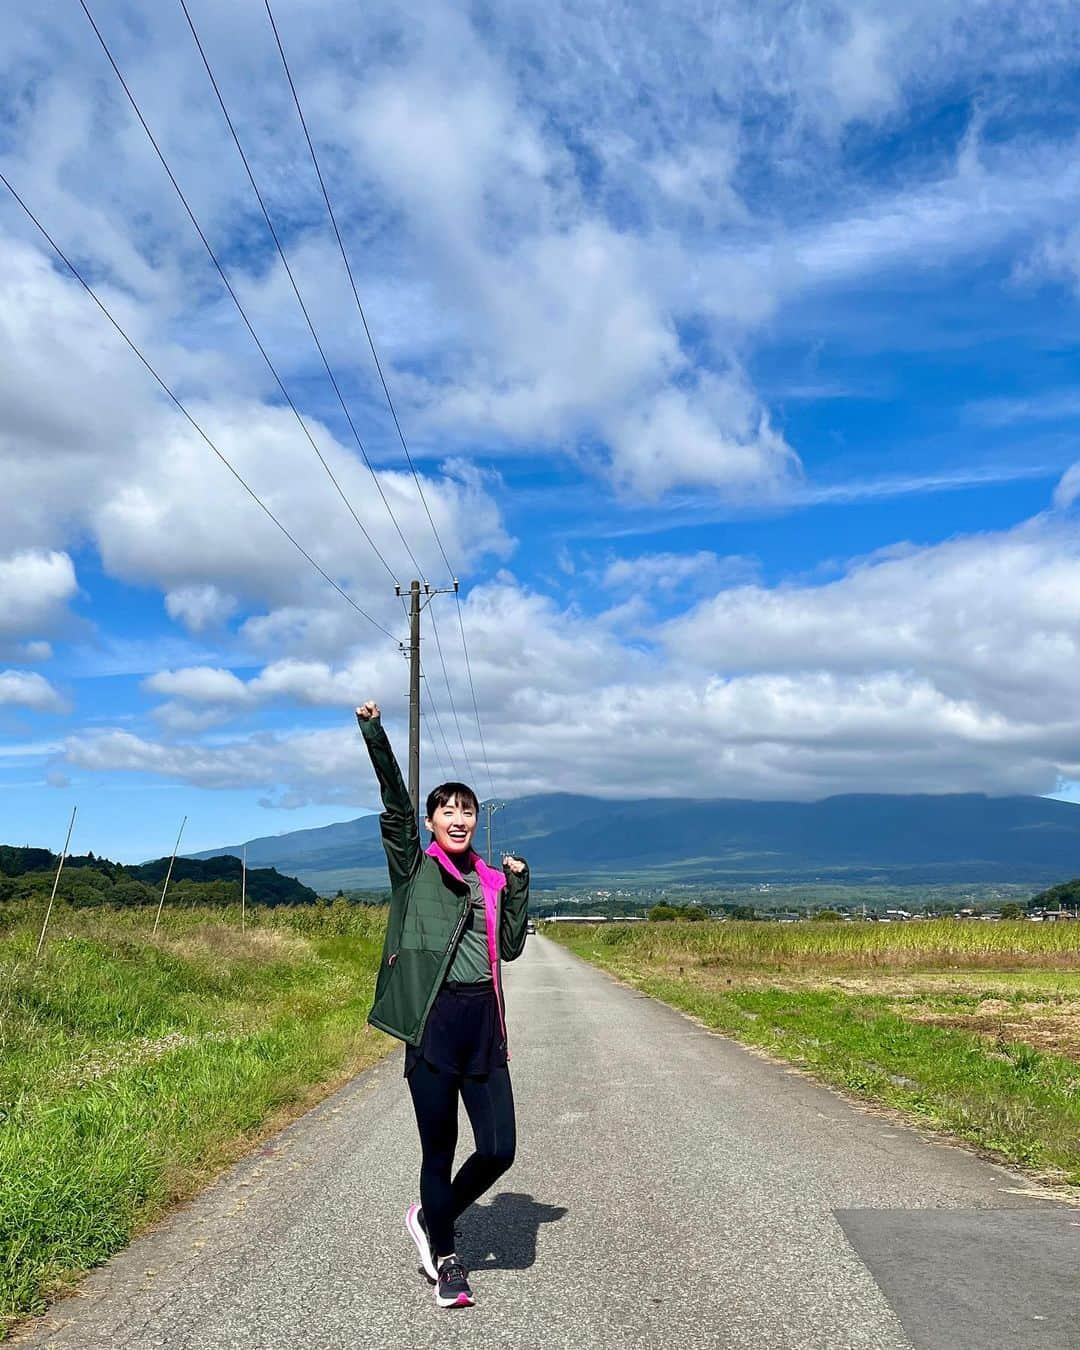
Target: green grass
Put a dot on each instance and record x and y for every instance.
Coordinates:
(973, 1029)
(133, 1068)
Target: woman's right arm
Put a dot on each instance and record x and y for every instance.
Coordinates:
(400, 829)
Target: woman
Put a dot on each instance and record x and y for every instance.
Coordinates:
(453, 920)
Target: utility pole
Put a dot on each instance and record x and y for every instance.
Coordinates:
(491, 807)
(414, 695)
(243, 890)
(416, 593)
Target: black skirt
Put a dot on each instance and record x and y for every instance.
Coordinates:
(463, 1034)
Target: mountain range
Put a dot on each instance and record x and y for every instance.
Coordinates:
(856, 838)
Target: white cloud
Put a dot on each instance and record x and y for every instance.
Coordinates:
(1050, 406)
(572, 322)
(969, 207)
(34, 651)
(199, 684)
(74, 399)
(181, 719)
(858, 72)
(322, 757)
(1055, 258)
(669, 572)
(305, 682)
(125, 471)
(199, 607)
(30, 749)
(696, 176)
(552, 294)
(27, 689)
(716, 434)
(995, 618)
(1068, 488)
(803, 735)
(35, 587)
(183, 522)
(570, 326)
(944, 668)
(315, 683)
(807, 75)
(157, 504)
(876, 489)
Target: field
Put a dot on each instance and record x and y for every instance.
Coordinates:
(970, 1028)
(133, 1068)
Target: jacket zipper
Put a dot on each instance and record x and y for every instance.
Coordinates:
(458, 930)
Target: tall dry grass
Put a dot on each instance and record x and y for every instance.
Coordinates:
(931, 945)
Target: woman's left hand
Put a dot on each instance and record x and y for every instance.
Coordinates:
(515, 865)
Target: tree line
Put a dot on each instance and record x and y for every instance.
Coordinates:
(28, 873)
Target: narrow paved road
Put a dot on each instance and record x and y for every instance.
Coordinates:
(672, 1189)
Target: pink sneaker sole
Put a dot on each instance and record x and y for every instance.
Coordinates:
(462, 1301)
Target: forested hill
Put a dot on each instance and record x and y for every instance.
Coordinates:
(88, 880)
(960, 837)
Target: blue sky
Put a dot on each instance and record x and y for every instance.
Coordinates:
(735, 346)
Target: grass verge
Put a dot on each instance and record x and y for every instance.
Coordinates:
(936, 1025)
(134, 1067)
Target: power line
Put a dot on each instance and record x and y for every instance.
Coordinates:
(449, 761)
(315, 336)
(228, 286)
(375, 356)
(352, 282)
(235, 298)
(296, 289)
(432, 742)
(386, 391)
(259, 345)
(190, 419)
(450, 696)
(472, 690)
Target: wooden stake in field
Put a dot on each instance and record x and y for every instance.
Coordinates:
(56, 882)
(168, 874)
(243, 889)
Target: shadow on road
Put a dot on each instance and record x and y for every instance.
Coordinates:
(502, 1235)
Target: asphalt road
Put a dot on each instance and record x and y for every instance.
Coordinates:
(671, 1189)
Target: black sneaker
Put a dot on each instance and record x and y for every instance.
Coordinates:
(452, 1290)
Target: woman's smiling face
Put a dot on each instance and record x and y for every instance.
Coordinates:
(453, 825)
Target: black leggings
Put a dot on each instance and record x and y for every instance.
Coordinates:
(489, 1104)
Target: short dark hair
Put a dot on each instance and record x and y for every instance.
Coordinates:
(446, 792)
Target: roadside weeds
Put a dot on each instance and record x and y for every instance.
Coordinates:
(133, 1071)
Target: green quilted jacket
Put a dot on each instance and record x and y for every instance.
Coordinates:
(429, 904)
